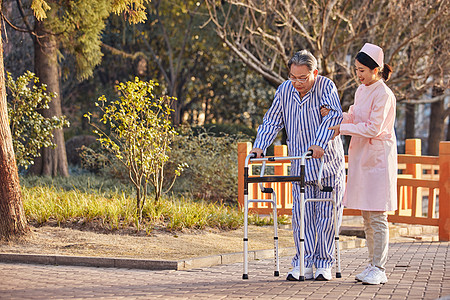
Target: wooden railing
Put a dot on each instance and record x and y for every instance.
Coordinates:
(423, 187)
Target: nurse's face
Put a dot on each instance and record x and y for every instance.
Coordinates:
(302, 78)
(365, 74)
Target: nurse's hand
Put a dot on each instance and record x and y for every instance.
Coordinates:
(317, 151)
(336, 129)
(259, 152)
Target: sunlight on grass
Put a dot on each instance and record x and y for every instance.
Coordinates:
(45, 204)
(84, 200)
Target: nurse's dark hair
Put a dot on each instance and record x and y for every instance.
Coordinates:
(366, 60)
(303, 58)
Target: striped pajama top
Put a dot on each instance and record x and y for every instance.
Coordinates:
(305, 126)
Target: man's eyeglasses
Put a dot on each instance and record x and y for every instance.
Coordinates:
(301, 80)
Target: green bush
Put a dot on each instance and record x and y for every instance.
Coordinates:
(99, 161)
(211, 174)
(211, 160)
(139, 136)
(226, 129)
(30, 130)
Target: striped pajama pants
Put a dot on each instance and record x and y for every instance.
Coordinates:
(319, 223)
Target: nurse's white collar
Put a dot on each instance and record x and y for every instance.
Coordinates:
(376, 83)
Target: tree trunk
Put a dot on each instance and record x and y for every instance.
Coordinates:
(12, 216)
(410, 122)
(177, 113)
(436, 129)
(53, 162)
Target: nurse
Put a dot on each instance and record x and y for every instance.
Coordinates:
(296, 107)
(372, 157)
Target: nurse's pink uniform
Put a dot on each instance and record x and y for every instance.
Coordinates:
(372, 154)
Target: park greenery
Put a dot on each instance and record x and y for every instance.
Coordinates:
(91, 202)
(135, 137)
(139, 136)
(96, 202)
(30, 130)
(207, 71)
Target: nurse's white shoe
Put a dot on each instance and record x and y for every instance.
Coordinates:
(375, 276)
(360, 276)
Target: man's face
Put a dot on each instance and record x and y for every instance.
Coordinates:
(302, 79)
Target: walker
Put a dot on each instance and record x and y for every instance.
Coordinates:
(307, 155)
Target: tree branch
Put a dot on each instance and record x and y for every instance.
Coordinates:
(25, 21)
(424, 101)
(14, 26)
(122, 53)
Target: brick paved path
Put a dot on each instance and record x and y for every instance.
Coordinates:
(415, 271)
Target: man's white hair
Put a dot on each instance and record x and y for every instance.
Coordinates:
(303, 58)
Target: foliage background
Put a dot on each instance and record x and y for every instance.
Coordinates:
(178, 46)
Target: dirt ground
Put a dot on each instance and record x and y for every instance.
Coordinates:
(157, 246)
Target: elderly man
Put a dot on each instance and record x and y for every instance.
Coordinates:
(296, 107)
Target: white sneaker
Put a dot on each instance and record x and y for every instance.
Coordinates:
(375, 276)
(294, 274)
(364, 273)
(323, 274)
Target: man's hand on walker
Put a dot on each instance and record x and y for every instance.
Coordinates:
(317, 151)
(259, 152)
(336, 129)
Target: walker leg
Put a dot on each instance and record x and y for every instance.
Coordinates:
(245, 275)
(302, 235)
(336, 237)
(275, 238)
(338, 259)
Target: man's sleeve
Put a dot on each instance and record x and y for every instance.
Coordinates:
(272, 124)
(330, 98)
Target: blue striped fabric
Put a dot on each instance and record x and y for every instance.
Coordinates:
(305, 126)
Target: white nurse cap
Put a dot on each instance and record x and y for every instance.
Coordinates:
(375, 52)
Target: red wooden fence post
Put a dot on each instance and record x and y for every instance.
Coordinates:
(281, 150)
(414, 147)
(444, 191)
(243, 150)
